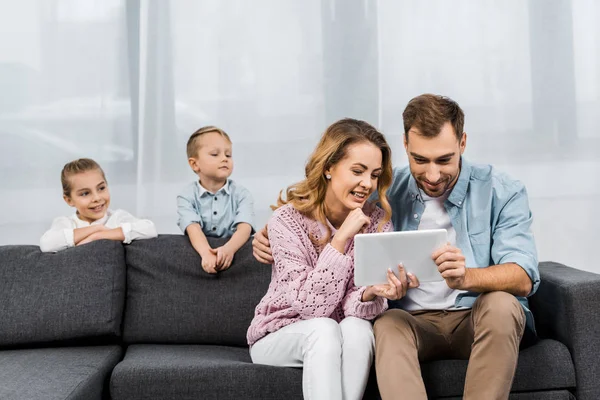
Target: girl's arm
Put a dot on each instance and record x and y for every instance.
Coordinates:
(311, 292)
(132, 228)
(63, 234)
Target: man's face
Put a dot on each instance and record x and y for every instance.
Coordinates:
(435, 162)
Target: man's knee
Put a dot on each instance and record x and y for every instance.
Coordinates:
(500, 312)
(392, 323)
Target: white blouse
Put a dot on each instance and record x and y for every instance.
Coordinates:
(60, 235)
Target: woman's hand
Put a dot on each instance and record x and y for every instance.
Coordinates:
(354, 223)
(396, 287)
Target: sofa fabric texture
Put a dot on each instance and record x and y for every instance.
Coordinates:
(170, 299)
(73, 373)
(77, 293)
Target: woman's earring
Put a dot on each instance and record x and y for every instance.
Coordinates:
(328, 176)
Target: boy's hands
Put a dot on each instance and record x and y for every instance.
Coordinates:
(217, 260)
(224, 257)
(209, 261)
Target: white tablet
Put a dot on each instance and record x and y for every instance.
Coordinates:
(374, 253)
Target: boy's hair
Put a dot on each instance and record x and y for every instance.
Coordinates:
(429, 112)
(192, 144)
(76, 167)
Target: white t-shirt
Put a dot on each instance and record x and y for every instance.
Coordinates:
(433, 295)
(60, 235)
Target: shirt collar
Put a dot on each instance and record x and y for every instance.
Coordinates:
(100, 221)
(202, 190)
(459, 191)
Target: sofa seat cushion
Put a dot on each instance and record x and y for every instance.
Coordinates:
(50, 297)
(200, 372)
(56, 373)
(545, 365)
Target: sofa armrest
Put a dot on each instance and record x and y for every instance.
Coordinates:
(566, 307)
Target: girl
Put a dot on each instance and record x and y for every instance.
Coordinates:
(85, 188)
(312, 315)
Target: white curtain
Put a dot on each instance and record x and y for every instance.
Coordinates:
(127, 82)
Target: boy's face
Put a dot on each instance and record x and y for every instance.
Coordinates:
(89, 195)
(214, 158)
(435, 162)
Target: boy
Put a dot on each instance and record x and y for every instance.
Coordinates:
(214, 205)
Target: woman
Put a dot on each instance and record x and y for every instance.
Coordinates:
(312, 315)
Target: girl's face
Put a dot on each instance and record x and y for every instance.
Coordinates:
(89, 195)
(354, 178)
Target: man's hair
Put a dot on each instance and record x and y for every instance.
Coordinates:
(429, 112)
(193, 145)
(76, 167)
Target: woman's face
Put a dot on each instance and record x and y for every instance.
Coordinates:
(354, 177)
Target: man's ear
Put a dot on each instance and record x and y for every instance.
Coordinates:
(194, 164)
(68, 200)
(463, 143)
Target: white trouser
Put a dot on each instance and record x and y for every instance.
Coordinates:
(336, 358)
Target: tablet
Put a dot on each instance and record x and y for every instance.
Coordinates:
(374, 253)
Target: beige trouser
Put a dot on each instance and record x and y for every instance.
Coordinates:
(488, 335)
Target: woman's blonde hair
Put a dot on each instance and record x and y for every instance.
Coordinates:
(308, 195)
(76, 167)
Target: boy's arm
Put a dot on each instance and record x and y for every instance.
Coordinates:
(226, 252)
(240, 236)
(198, 239)
(201, 245)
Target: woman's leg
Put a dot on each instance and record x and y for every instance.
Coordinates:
(314, 344)
(358, 346)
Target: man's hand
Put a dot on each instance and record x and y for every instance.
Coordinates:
(451, 264)
(396, 287)
(209, 261)
(224, 257)
(261, 247)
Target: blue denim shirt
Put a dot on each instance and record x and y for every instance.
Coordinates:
(490, 214)
(217, 213)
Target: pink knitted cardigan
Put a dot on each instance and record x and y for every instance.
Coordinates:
(308, 282)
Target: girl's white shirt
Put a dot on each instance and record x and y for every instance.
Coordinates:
(60, 235)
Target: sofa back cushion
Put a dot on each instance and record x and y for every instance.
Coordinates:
(170, 299)
(77, 293)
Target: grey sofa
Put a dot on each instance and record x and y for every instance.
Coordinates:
(143, 321)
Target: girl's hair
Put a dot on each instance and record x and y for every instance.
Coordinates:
(308, 195)
(192, 144)
(76, 167)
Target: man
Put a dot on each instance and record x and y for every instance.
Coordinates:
(479, 312)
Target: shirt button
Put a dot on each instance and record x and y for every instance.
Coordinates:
(215, 198)
(416, 216)
(214, 228)
(459, 203)
(215, 213)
